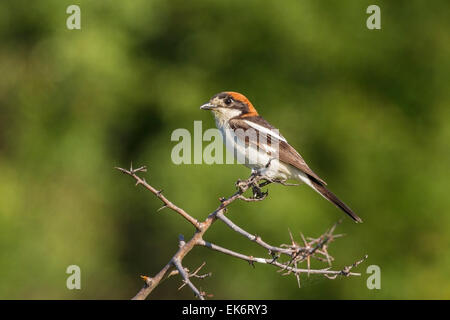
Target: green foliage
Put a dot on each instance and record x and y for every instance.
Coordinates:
(367, 109)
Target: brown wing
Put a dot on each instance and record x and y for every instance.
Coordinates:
(287, 154)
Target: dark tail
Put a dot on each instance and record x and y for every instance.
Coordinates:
(330, 196)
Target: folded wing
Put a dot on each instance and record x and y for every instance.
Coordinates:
(286, 152)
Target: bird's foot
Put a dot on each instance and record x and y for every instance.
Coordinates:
(258, 193)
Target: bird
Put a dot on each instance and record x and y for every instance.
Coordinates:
(246, 133)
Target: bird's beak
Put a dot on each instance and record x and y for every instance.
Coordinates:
(207, 106)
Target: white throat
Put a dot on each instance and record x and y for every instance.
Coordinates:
(223, 115)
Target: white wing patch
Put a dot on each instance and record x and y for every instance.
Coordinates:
(266, 130)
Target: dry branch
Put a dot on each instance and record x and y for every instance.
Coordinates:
(312, 247)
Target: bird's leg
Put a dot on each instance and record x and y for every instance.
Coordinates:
(268, 163)
(265, 183)
(253, 181)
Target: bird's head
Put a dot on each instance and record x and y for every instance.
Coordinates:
(227, 105)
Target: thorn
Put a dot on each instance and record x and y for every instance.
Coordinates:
(327, 256)
(132, 171)
(140, 169)
(182, 285)
(172, 273)
(334, 226)
(308, 260)
(199, 268)
(163, 207)
(121, 169)
(304, 240)
(297, 275)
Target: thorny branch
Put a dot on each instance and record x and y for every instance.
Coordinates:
(311, 248)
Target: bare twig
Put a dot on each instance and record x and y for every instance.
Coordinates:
(195, 274)
(183, 273)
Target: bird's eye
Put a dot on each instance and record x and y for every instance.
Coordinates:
(228, 101)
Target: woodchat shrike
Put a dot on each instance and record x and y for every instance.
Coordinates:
(246, 133)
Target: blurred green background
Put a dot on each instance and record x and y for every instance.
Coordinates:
(368, 109)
